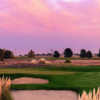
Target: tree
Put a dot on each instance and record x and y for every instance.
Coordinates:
(68, 53)
(98, 53)
(83, 53)
(56, 54)
(2, 54)
(89, 54)
(31, 54)
(8, 54)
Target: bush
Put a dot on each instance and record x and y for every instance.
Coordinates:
(56, 54)
(89, 54)
(34, 61)
(68, 53)
(42, 61)
(83, 53)
(5, 93)
(67, 61)
(92, 95)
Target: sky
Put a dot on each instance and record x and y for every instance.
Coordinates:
(49, 24)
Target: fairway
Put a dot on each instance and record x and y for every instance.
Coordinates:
(63, 78)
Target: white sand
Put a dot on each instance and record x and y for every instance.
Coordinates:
(44, 95)
(27, 80)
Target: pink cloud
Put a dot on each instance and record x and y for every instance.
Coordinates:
(34, 16)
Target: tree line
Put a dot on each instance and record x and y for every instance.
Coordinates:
(6, 54)
(68, 53)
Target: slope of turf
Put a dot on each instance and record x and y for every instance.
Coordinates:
(51, 69)
(77, 78)
(77, 81)
(72, 68)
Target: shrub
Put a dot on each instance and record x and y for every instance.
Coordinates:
(42, 61)
(6, 95)
(34, 61)
(5, 89)
(90, 96)
(68, 53)
(56, 54)
(67, 61)
(83, 53)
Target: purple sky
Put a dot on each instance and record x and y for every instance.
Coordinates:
(49, 24)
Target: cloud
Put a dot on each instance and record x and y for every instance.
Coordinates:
(43, 17)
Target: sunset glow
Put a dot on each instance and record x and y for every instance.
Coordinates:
(49, 24)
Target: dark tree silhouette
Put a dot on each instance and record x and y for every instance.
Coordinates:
(83, 53)
(56, 54)
(68, 53)
(2, 54)
(31, 54)
(89, 54)
(98, 53)
(8, 54)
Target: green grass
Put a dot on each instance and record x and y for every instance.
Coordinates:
(77, 81)
(76, 78)
(53, 58)
(51, 70)
(71, 68)
(43, 70)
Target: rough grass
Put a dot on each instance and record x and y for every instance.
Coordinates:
(33, 71)
(53, 58)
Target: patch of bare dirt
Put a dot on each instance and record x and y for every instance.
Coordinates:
(86, 62)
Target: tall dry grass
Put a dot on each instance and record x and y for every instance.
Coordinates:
(91, 95)
(40, 61)
(5, 84)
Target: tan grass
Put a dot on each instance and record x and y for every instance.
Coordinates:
(40, 61)
(5, 84)
(31, 71)
(90, 96)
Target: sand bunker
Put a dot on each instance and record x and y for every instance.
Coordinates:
(26, 80)
(44, 95)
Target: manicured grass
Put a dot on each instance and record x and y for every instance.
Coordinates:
(33, 71)
(77, 78)
(73, 68)
(51, 70)
(77, 81)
